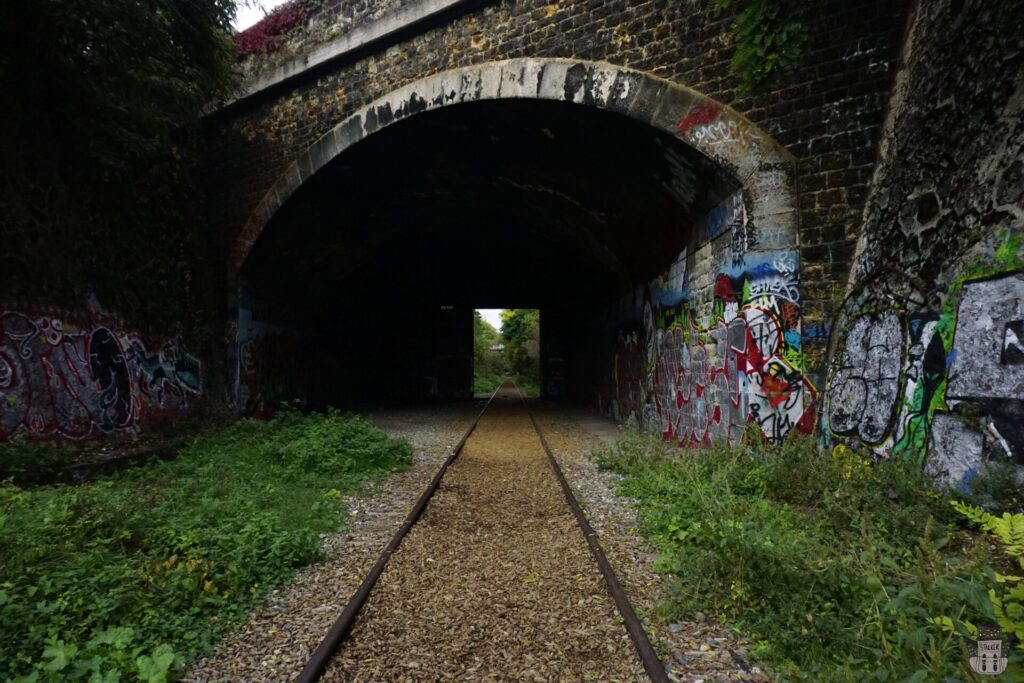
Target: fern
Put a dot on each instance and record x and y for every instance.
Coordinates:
(1007, 595)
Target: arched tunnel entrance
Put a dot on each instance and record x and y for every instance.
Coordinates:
(379, 259)
(653, 228)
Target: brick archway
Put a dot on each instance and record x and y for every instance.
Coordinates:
(763, 167)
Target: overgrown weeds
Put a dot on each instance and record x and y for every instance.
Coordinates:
(840, 568)
(132, 575)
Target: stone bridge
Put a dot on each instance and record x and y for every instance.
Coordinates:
(701, 258)
(392, 165)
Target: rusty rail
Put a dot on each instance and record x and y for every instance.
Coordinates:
(652, 663)
(321, 657)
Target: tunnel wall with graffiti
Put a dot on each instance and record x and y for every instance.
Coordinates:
(73, 375)
(714, 343)
(928, 355)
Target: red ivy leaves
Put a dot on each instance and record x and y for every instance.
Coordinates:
(263, 36)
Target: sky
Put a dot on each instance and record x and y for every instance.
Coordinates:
(493, 316)
(247, 16)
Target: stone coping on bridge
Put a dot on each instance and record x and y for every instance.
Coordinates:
(400, 19)
(764, 168)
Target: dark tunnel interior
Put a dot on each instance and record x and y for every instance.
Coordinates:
(378, 260)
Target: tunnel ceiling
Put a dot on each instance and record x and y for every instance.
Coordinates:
(501, 203)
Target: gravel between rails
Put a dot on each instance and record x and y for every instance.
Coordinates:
(694, 650)
(280, 634)
(495, 582)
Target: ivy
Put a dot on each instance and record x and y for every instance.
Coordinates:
(769, 41)
(264, 36)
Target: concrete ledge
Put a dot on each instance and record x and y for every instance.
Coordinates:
(355, 39)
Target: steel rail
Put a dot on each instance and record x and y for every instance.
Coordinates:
(321, 657)
(652, 663)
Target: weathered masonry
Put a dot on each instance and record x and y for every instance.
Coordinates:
(697, 255)
(587, 158)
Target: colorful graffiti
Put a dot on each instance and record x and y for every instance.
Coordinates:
(943, 389)
(696, 380)
(57, 378)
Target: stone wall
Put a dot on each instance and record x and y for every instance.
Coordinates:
(828, 113)
(77, 374)
(929, 357)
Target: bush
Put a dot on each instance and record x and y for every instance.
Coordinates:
(31, 463)
(839, 568)
(134, 574)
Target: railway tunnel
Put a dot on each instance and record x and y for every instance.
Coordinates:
(362, 285)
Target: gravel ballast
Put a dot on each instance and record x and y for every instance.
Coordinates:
(695, 650)
(280, 634)
(495, 582)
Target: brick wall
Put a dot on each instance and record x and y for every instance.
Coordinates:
(827, 113)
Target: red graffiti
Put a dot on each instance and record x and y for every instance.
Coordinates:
(699, 115)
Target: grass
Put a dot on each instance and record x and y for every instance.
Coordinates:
(840, 569)
(135, 574)
(29, 463)
(487, 382)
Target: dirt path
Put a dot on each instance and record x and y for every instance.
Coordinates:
(495, 582)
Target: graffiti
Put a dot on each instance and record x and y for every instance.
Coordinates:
(725, 215)
(628, 378)
(988, 310)
(775, 280)
(699, 115)
(957, 451)
(1013, 343)
(942, 389)
(697, 382)
(61, 379)
(865, 382)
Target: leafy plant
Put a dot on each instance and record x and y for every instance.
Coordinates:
(28, 463)
(488, 361)
(1007, 591)
(520, 330)
(264, 35)
(769, 41)
(95, 151)
(132, 575)
(839, 568)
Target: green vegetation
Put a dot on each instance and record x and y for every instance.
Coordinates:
(488, 363)
(1007, 591)
(769, 41)
(520, 330)
(841, 570)
(133, 575)
(27, 463)
(96, 149)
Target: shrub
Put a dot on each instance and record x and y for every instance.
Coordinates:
(134, 574)
(839, 569)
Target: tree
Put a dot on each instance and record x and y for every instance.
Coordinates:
(520, 329)
(94, 150)
(488, 365)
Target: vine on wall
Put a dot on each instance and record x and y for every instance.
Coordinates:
(769, 41)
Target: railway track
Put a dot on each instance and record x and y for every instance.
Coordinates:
(494, 575)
